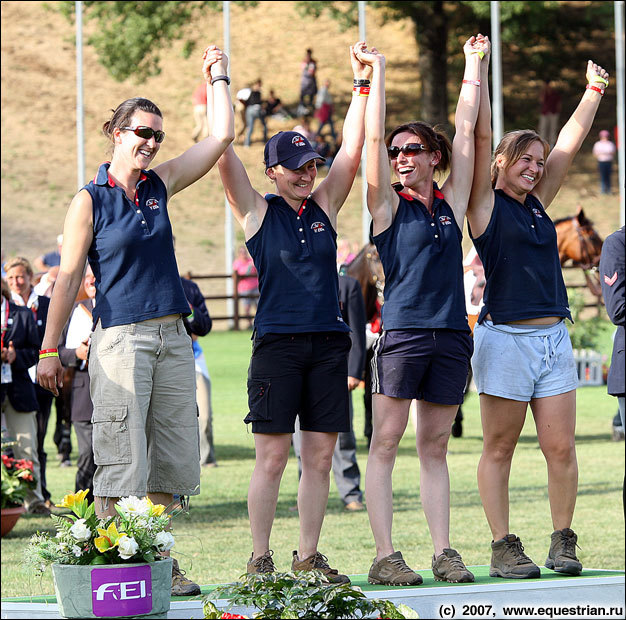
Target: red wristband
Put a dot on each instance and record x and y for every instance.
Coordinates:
(48, 351)
(361, 91)
(596, 88)
(472, 82)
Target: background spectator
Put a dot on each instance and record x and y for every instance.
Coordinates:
(324, 109)
(254, 112)
(604, 152)
(308, 82)
(198, 99)
(550, 110)
(51, 259)
(244, 266)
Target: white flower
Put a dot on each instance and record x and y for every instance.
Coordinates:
(134, 506)
(80, 530)
(164, 541)
(127, 547)
(77, 551)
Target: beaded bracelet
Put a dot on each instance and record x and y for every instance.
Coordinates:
(598, 90)
(473, 82)
(361, 91)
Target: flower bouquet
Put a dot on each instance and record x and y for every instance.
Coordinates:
(108, 567)
(137, 533)
(17, 479)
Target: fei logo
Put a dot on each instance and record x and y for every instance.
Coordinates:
(537, 212)
(153, 203)
(298, 141)
(125, 591)
(445, 220)
(317, 227)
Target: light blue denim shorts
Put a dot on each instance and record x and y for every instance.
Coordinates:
(521, 362)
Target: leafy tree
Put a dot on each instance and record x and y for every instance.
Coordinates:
(131, 34)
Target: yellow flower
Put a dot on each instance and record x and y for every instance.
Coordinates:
(108, 538)
(75, 502)
(156, 510)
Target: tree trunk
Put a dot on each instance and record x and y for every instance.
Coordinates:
(431, 32)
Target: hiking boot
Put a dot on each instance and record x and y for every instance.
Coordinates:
(318, 562)
(508, 560)
(562, 555)
(393, 571)
(181, 586)
(449, 567)
(263, 564)
(40, 509)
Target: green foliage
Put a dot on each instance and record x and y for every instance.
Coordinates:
(584, 333)
(301, 594)
(131, 34)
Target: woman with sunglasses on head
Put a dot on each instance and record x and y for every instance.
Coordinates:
(424, 350)
(299, 364)
(141, 363)
(523, 354)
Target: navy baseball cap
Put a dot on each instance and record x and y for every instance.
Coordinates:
(289, 149)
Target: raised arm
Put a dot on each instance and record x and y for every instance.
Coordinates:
(77, 238)
(480, 203)
(334, 189)
(457, 186)
(382, 200)
(195, 162)
(572, 135)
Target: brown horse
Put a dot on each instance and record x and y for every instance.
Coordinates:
(578, 241)
(368, 270)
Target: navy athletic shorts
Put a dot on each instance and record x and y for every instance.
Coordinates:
(303, 375)
(426, 364)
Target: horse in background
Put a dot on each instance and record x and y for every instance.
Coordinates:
(578, 241)
(367, 269)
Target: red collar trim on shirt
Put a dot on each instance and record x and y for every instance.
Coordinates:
(438, 194)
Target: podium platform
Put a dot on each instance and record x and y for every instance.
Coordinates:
(594, 593)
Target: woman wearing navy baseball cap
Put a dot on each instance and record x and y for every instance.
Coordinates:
(424, 350)
(299, 354)
(523, 351)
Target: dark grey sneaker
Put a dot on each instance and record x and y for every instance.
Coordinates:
(449, 567)
(263, 564)
(508, 560)
(393, 571)
(318, 562)
(562, 555)
(181, 586)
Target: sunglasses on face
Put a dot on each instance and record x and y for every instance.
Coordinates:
(408, 149)
(147, 132)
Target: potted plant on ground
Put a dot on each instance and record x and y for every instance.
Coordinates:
(17, 479)
(109, 567)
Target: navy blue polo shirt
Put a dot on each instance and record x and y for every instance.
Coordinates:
(519, 252)
(295, 255)
(423, 262)
(132, 252)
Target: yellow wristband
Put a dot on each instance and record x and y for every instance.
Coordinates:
(599, 78)
(481, 55)
(43, 355)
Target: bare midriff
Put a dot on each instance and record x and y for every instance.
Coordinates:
(542, 320)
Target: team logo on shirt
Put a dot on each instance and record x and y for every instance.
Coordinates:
(317, 227)
(298, 141)
(153, 204)
(537, 212)
(445, 220)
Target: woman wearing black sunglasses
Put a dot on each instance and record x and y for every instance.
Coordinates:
(424, 350)
(141, 364)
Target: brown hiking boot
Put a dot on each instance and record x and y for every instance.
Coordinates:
(263, 564)
(508, 560)
(181, 586)
(449, 567)
(318, 562)
(393, 571)
(562, 555)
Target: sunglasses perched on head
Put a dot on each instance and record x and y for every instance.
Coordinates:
(147, 132)
(407, 149)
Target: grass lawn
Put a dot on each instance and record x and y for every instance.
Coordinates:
(213, 542)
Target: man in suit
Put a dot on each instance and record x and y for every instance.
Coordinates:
(20, 351)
